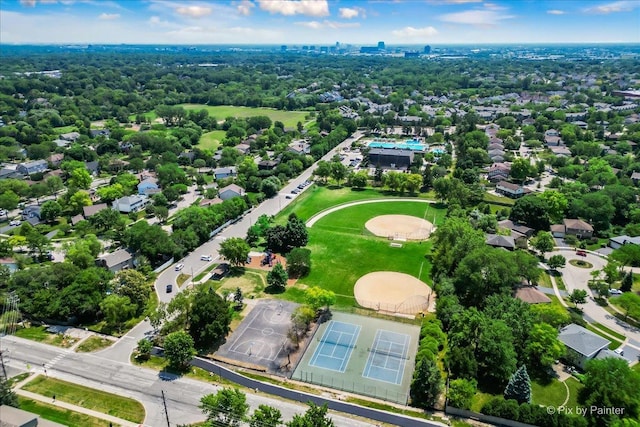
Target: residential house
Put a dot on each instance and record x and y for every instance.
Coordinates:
(9, 171)
(510, 190)
(133, 203)
(89, 211)
(498, 172)
(116, 261)
(552, 137)
(92, 167)
(560, 151)
(147, 186)
(223, 173)
(635, 177)
(300, 147)
(35, 166)
(55, 159)
(517, 230)
(267, 165)
(71, 136)
(61, 143)
(390, 158)
(499, 241)
(231, 191)
(205, 203)
(14, 417)
(619, 241)
(574, 227)
(100, 132)
(76, 219)
(243, 148)
(582, 344)
(531, 295)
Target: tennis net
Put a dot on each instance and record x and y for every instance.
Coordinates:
(389, 354)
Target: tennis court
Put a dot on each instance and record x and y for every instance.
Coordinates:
(336, 346)
(387, 357)
(363, 355)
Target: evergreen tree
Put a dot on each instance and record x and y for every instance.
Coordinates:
(519, 387)
(627, 282)
(7, 396)
(426, 384)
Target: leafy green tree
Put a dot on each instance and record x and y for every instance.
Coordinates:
(531, 211)
(179, 349)
(630, 303)
(296, 233)
(627, 255)
(143, 351)
(495, 352)
(170, 174)
(236, 250)
(544, 347)
(578, 296)
(227, 407)
(323, 170)
(359, 179)
(521, 169)
(610, 383)
(595, 208)
(461, 392)
(7, 395)
(270, 186)
(556, 261)
(237, 299)
(413, 182)
(451, 242)
(277, 278)
(319, 298)
(426, 384)
(117, 309)
(543, 242)
(9, 200)
(552, 314)
(316, 416)
(265, 416)
(338, 171)
(627, 282)
(50, 210)
(557, 204)
(80, 179)
(209, 318)
(78, 200)
(299, 262)
(134, 285)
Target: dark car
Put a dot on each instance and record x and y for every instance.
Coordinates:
(581, 253)
(169, 289)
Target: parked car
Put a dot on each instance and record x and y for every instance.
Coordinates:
(15, 222)
(179, 267)
(581, 253)
(619, 351)
(615, 292)
(205, 258)
(169, 289)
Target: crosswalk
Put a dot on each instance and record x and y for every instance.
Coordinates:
(53, 361)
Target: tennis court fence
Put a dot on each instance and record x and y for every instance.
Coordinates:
(352, 386)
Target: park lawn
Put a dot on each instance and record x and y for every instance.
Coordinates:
(553, 393)
(211, 140)
(60, 415)
(151, 115)
(221, 112)
(480, 399)
(40, 334)
(498, 200)
(66, 129)
(251, 283)
(574, 388)
(97, 400)
(93, 343)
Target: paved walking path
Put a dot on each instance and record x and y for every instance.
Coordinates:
(115, 420)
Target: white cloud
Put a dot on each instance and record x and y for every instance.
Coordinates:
(109, 16)
(493, 6)
(411, 32)
(296, 7)
(28, 3)
(194, 11)
(316, 25)
(244, 8)
(348, 13)
(618, 6)
(555, 12)
(475, 17)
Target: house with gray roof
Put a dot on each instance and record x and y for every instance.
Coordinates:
(35, 166)
(499, 241)
(116, 261)
(14, 417)
(582, 344)
(619, 241)
(230, 191)
(133, 203)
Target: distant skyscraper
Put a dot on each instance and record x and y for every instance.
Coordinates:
(381, 45)
(427, 49)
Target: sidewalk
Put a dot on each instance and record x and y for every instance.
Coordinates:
(116, 421)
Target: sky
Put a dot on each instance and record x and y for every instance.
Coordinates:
(318, 22)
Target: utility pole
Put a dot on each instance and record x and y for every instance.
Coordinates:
(166, 412)
(11, 316)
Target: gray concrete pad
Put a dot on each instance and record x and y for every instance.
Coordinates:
(261, 338)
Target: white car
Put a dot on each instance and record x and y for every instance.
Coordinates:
(619, 351)
(205, 258)
(179, 267)
(615, 291)
(15, 222)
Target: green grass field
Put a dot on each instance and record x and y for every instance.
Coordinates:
(221, 112)
(93, 343)
(211, 140)
(342, 250)
(552, 394)
(97, 400)
(59, 415)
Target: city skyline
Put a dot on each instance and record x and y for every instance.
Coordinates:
(412, 22)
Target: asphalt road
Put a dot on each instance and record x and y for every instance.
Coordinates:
(192, 263)
(145, 385)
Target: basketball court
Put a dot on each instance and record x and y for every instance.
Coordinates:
(261, 339)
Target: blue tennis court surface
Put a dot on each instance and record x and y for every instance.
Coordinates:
(387, 357)
(336, 346)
